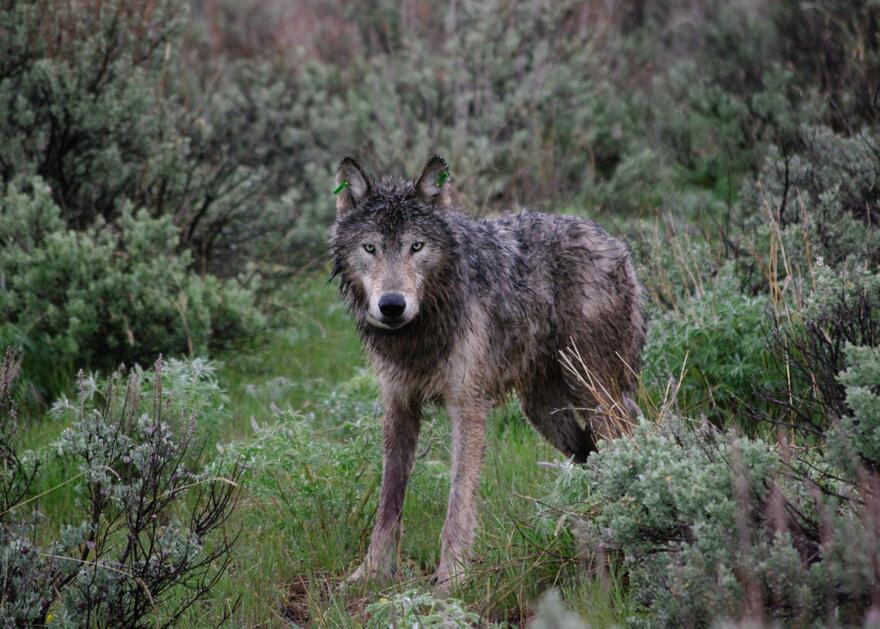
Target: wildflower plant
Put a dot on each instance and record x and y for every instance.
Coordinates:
(420, 610)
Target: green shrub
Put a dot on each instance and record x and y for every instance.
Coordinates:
(112, 189)
(533, 103)
(140, 547)
(816, 197)
(675, 262)
(856, 439)
(810, 343)
(743, 77)
(108, 294)
(185, 387)
(421, 610)
(710, 526)
(522, 112)
(96, 101)
(81, 104)
(833, 47)
(722, 81)
(716, 342)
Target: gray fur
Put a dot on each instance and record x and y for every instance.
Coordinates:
(490, 305)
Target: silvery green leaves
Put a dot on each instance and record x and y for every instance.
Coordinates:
(712, 525)
(854, 441)
(143, 550)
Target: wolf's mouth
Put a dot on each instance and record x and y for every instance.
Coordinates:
(394, 324)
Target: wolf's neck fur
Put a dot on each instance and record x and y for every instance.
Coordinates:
(422, 345)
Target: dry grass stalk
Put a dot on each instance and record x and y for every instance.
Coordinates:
(611, 417)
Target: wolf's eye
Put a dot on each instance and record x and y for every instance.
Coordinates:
(417, 245)
(369, 248)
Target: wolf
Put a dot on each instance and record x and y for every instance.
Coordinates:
(459, 311)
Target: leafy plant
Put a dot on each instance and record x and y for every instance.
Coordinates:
(108, 294)
(420, 610)
(710, 526)
(855, 440)
(145, 548)
(324, 479)
(810, 346)
(814, 197)
(715, 342)
(96, 102)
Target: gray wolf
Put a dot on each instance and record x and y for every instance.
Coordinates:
(459, 311)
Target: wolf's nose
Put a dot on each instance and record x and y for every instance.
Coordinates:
(392, 305)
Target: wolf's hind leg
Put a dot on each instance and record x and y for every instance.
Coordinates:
(547, 406)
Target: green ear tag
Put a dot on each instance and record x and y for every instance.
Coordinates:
(442, 178)
(341, 187)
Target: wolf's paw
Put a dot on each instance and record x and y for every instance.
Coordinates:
(360, 574)
(448, 577)
(364, 574)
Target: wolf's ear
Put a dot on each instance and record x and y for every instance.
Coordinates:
(433, 184)
(352, 184)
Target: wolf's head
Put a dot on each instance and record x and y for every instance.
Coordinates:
(391, 243)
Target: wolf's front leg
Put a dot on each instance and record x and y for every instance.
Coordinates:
(468, 449)
(401, 434)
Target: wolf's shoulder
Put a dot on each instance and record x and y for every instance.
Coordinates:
(553, 230)
(528, 220)
(532, 219)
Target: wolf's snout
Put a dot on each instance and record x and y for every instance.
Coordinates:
(392, 305)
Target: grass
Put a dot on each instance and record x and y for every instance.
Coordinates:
(300, 363)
